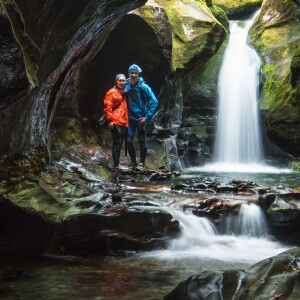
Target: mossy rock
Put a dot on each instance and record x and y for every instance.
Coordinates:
(235, 7)
(195, 30)
(283, 118)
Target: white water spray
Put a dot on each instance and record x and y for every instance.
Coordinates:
(200, 239)
(238, 136)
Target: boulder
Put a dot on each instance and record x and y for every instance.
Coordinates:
(273, 278)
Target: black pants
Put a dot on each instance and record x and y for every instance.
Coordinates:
(118, 135)
(133, 127)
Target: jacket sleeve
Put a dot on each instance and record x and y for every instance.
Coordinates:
(151, 102)
(108, 105)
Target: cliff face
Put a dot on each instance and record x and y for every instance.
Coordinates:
(276, 37)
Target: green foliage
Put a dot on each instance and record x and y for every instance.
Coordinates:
(287, 2)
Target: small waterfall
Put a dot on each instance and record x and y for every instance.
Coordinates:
(171, 152)
(200, 239)
(249, 222)
(238, 138)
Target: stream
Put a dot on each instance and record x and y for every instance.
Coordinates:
(148, 275)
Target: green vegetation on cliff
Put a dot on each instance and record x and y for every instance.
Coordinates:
(232, 7)
(193, 27)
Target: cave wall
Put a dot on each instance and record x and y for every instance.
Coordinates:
(55, 38)
(131, 41)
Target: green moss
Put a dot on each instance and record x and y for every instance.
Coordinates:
(232, 7)
(199, 131)
(30, 50)
(269, 86)
(294, 165)
(287, 2)
(193, 26)
(235, 3)
(220, 15)
(295, 66)
(103, 172)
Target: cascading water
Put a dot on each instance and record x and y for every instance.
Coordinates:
(200, 238)
(250, 221)
(238, 136)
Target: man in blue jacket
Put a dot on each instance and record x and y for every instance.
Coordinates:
(142, 105)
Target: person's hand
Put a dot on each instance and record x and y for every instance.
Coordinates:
(110, 125)
(142, 120)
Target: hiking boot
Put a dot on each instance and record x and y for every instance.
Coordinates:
(132, 167)
(140, 167)
(116, 169)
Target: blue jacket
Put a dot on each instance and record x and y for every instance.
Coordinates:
(142, 103)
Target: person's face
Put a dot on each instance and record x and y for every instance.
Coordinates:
(121, 81)
(133, 77)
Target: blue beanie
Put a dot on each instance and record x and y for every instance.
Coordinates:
(134, 68)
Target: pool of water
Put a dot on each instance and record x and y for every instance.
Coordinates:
(110, 278)
(291, 179)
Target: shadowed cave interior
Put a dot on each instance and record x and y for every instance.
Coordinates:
(132, 41)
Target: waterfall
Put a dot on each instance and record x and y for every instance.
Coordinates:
(238, 138)
(249, 222)
(200, 239)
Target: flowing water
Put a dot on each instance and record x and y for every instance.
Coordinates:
(238, 135)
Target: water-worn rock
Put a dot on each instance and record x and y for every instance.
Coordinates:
(115, 230)
(119, 230)
(265, 201)
(273, 278)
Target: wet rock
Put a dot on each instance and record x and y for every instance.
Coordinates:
(227, 189)
(207, 285)
(116, 198)
(190, 187)
(273, 278)
(285, 224)
(211, 208)
(122, 230)
(163, 175)
(22, 232)
(265, 201)
(263, 190)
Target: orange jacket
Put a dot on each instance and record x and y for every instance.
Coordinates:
(118, 115)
